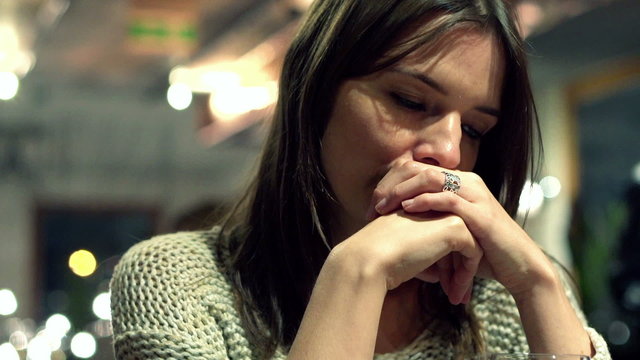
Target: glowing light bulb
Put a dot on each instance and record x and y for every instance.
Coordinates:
(9, 84)
(8, 302)
(19, 340)
(38, 349)
(239, 100)
(58, 324)
(8, 352)
(531, 199)
(82, 263)
(102, 306)
(83, 345)
(635, 173)
(179, 96)
(550, 186)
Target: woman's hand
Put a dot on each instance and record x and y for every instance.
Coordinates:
(510, 256)
(359, 272)
(401, 246)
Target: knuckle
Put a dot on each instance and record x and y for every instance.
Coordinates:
(452, 200)
(395, 191)
(452, 243)
(433, 173)
(411, 168)
(424, 177)
(422, 199)
(407, 165)
(378, 193)
(455, 222)
(476, 179)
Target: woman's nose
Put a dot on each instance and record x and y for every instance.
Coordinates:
(439, 142)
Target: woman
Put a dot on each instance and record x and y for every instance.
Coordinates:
(402, 137)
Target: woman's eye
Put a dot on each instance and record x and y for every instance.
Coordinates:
(471, 132)
(408, 104)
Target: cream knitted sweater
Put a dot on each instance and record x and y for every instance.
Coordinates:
(171, 300)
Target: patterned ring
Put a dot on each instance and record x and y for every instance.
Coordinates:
(451, 182)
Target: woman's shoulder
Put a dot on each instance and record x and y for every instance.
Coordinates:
(172, 259)
(181, 248)
(171, 298)
(179, 242)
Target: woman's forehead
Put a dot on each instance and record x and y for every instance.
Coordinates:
(464, 61)
(456, 42)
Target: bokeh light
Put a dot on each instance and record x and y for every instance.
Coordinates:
(8, 352)
(82, 263)
(551, 186)
(53, 340)
(102, 306)
(83, 345)
(19, 340)
(58, 324)
(635, 173)
(239, 100)
(39, 349)
(9, 84)
(631, 297)
(101, 328)
(531, 199)
(8, 302)
(179, 96)
(618, 333)
(221, 80)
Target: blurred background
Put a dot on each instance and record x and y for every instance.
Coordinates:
(121, 119)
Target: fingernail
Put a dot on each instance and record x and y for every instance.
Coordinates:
(371, 214)
(454, 301)
(467, 296)
(407, 203)
(380, 205)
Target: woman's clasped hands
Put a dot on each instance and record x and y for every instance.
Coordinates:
(420, 231)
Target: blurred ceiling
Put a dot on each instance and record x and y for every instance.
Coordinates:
(95, 72)
(123, 41)
(120, 41)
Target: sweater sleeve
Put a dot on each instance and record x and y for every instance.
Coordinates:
(499, 318)
(598, 342)
(159, 307)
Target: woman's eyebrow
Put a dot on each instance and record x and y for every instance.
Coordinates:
(436, 86)
(422, 77)
(488, 110)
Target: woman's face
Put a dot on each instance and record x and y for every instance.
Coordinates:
(433, 106)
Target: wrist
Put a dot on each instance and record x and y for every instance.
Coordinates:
(354, 268)
(541, 280)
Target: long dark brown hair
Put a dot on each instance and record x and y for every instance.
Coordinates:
(277, 229)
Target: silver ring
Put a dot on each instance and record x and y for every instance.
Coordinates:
(451, 182)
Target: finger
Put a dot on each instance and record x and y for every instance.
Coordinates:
(467, 296)
(444, 271)
(425, 181)
(484, 270)
(444, 201)
(429, 275)
(450, 203)
(465, 271)
(467, 254)
(394, 176)
(458, 283)
(371, 211)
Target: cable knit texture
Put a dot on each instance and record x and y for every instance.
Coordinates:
(171, 299)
